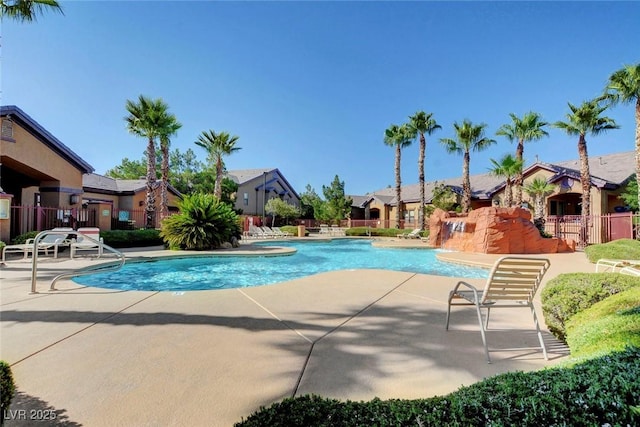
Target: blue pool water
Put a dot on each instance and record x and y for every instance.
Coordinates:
(198, 273)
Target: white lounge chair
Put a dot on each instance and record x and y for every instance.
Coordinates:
(278, 232)
(513, 282)
(415, 234)
(56, 238)
(605, 264)
(88, 239)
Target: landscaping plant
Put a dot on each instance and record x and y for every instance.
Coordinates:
(204, 222)
(7, 388)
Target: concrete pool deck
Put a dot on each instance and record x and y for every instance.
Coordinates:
(100, 357)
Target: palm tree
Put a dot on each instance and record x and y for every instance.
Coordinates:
(398, 137)
(528, 128)
(217, 146)
(27, 10)
(624, 86)
(169, 129)
(469, 137)
(539, 189)
(421, 123)
(148, 118)
(581, 121)
(508, 167)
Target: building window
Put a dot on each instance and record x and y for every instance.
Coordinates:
(245, 199)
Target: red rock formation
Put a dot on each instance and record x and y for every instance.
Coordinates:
(492, 231)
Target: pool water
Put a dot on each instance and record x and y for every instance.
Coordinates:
(198, 273)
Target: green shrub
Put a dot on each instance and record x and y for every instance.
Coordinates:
(568, 294)
(132, 238)
(617, 249)
(600, 391)
(204, 222)
(611, 324)
(293, 229)
(379, 232)
(7, 388)
(2, 245)
(22, 238)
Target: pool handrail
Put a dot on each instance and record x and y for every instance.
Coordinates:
(34, 264)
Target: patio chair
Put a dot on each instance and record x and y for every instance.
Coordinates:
(512, 282)
(280, 233)
(88, 239)
(415, 234)
(54, 240)
(606, 264)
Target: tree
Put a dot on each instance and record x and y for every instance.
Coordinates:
(469, 137)
(398, 137)
(584, 120)
(27, 10)
(128, 169)
(338, 205)
(149, 118)
(539, 189)
(183, 171)
(624, 87)
(218, 145)
(507, 167)
(309, 200)
(278, 207)
(443, 197)
(169, 129)
(525, 129)
(630, 194)
(422, 123)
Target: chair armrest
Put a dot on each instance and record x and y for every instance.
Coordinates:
(29, 241)
(468, 286)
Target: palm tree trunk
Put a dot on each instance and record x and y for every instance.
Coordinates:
(466, 184)
(585, 181)
(164, 202)
(518, 180)
(638, 147)
(217, 191)
(508, 193)
(398, 185)
(423, 146)
(539, 206)
(150, 207)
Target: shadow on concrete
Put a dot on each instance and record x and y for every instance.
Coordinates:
(27, 411)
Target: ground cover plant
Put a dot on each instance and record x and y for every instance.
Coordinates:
(617, 249)
(568, 294)
(611, 324)
(600, 391)
(379, 232)
(7, 388)
(132, 238)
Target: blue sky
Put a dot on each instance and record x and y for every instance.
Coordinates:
(310, 87)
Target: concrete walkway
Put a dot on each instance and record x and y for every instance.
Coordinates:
(97, 357)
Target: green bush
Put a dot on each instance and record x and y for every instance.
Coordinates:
(600, 391)
(568, 294)
(293, 229)
(204, 222)
(132, 238)
(617, 249)
(22, 238)
(379, 232)
(2, 245)
(611, 324)
(7, 388)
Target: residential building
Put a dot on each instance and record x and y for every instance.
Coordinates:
(257, 186)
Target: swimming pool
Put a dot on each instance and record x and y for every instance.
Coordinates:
(199, 273)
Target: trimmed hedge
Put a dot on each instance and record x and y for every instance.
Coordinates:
(7, 388)
(568, 294)
(617, 249)
(611, 324)
(601, 391)
(379, 232)
(132, 238)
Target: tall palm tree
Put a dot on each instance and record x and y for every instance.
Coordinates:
(218, 145)
(525, 129)
(539, 189)
(422, 123)
(148, 118)
(469, 137)
(507, 167)
(398, 137)
(584, 120)
(624, 86)
(27, 10)
(169, 129)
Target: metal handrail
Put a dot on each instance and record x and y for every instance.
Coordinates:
(34, 265)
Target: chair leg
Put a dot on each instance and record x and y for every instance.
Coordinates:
(448, 312)
(486, 322)
(484, 338)
(535, 320)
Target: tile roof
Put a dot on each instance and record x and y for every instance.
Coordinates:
(93, 181)
(241, 176)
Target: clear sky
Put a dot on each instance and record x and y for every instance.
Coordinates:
(310, 87)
